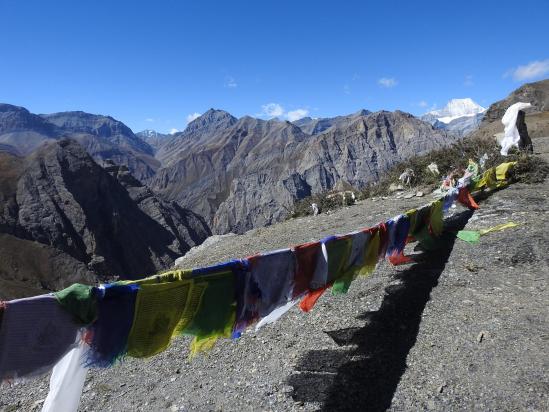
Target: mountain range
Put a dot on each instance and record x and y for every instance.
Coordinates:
(103, 137)
(82, 197)
(455, 109)
(220, 166)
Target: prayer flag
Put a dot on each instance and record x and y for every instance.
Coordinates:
(34, 335)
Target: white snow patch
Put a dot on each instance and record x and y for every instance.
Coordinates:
(457, 108)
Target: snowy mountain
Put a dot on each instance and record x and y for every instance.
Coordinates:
(459, 116)
(455, 109)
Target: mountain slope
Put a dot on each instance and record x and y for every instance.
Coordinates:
(104, 224)
(23, 130)
(535, 93)
(201, 131)
(461, 126)
(106, 138)
(153, 138)
(245, 173)
(537, 117)
(102, 136)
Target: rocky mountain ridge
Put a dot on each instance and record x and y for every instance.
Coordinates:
(318, 125)
(88, 222)
(103, 137)
(220, 166)
(536, 93)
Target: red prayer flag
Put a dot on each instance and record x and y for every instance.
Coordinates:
(308, 302)
(466, 199)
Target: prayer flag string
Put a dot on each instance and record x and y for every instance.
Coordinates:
(140, 318)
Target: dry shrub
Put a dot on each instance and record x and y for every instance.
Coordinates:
(530, 169)
(325, 201)
(447, 159)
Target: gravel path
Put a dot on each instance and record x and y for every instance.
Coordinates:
(467, 329)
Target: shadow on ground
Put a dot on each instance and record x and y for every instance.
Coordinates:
(364, 374)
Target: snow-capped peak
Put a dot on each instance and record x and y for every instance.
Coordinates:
(457, 108)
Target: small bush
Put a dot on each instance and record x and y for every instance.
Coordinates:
(530, 169)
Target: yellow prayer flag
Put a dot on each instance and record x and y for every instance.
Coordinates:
(371, 255)
(497, 228)
(412, 217)
(436, 218)
(503, 169)
(159, 309)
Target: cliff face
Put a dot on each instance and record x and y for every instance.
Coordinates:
(245, 173)
(102, 224)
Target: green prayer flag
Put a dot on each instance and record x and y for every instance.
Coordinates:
(436, 219)
(471, 236)
(342, 285)
(338, 255)
(216, 310)
(426, 239)
(80, 301)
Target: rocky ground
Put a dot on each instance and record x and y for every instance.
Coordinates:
(465, 328)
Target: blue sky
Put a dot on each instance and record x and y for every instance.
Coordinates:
(155, 64)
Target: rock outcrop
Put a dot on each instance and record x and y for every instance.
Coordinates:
(97, 223)
(244, 173)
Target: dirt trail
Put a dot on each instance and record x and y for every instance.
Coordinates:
(463, 329)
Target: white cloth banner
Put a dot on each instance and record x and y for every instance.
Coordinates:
(275, 314)
(511, 137)
(67, 381)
